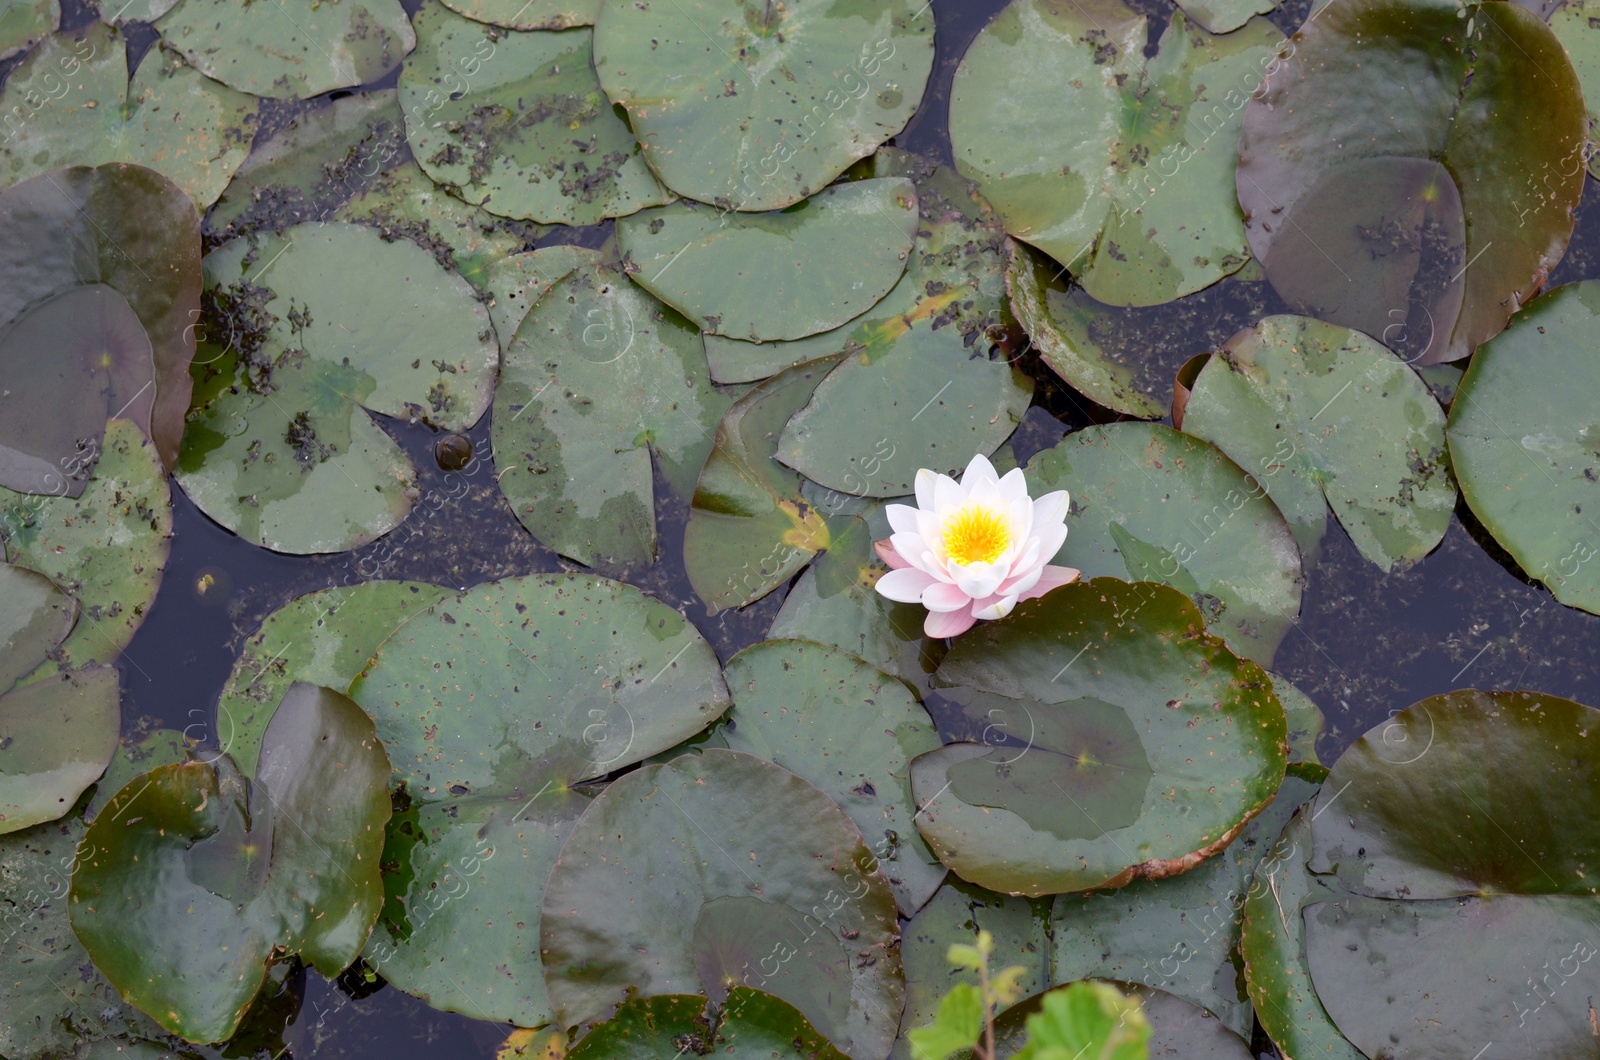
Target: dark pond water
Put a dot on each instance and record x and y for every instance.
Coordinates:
(1366, 643)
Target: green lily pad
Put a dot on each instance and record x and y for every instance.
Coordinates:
(1305, 719)
(106, 549)
(59, 734)
(1315, 410)
(1225, 16)
(290, 49)
(1412, 174)
(1125, 692)
(123, 226)
(599, 377)
(121, 12)
(170, 118)
(529, 14)
(1150, 503)
(139, 753)
(516, 122)
(1120, 128)
(1581, 38)
(750, 529)
(780, 275)
(323, 638)
(718, 870)
(757, 106)
(849, 729)
(280, 447)
(289, 860)
(1525, 443)
(26, 22)
(753, 1025)
(517, 282)
(1177, 1027)
(35, 617)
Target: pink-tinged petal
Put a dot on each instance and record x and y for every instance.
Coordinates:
(924, 488)
(977, 580)
(947, 623)
(887, 553)
(1050, 509)
(1051, 578)
(935, 566)
(1050, 540)
(979, 469)
(1024, 566)
(902, 518)
(913, 548)
(996, 606)
(1014, 486)
(904, 586)
(1021, 583)
(942, 597)
(946, 494)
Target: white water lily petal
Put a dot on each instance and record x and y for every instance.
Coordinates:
(924, 488)
(936, 567)
(1051, 578)
(902, 519)
(942, 597)
(1050, 542)
(1051, 508)
(905, 585)
(947, 623)
(979, 470)
(977, 580)
(994, 607)
(1014, 486)
(947, 494)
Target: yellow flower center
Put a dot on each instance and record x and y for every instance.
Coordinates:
(976, 535)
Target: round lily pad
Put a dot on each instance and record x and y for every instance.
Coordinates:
(753, 1025)
(599, 377)
(529, 14)
(35, 616)
(780, 275)
(170, 118)
(1117, 128)
(59, 734)
(516, 282)
(516, 122)
(329, 322)
(1525, 443)
(719, 870)
(1126, 695)
(1580, 36)
(1374, 173)
(757, 106)
(25, 22)
(1151, 503)
(290, 860)
(1314, 410)
(290, 49)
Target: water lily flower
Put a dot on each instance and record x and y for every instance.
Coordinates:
(972, 549)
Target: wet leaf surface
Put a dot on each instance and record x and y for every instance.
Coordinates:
(56, 736)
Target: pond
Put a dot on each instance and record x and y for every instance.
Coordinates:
(515, 544)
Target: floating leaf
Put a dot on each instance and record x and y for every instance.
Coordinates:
(529, 14)
(1313, 410)
(1225, 16)
(1119, 128)
(1573, 25)
(59, 733)
(1125, 692)
(289, 860)
(35, 617)
(290, 49)
(1149, 503)
(600, 376)
(759, 106)
(331, 321)
(516, 123)
(25, 22)
(752, 1024)
(517, 282)
(1411, 180)
(172, 119)
(1305, 720)
(1175, 1027)
(1525, 443)
(728, 871)
(780, 275)
(121, 12)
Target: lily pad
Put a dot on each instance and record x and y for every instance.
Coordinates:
(1525, 443)
(123, 226)
(1178, 1027)
(106, 549)
(1572, 25)
(170, 118)
(516, 122)
(599, 377)
(757, 106)
(1150, 503)
(1305, 718)
(1315, 410)
(517, 282)
(323, 638)
(780, 275)
(59, 734)
(35, 617)
(1225, 16)
(1406, 169)
(529, 14)
(728, 871)
(289, 860)
(1126, 692)
(752, 1026)
(121, 12)
(25, 22)
(1119, 128)
(281, 448)
(849, 729)
(290, 49)
(750, 529)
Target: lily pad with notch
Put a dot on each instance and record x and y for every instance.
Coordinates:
(35, 617)
(529, 14)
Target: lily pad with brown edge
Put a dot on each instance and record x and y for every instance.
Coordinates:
(750, 529)
(59, 734)
(130, 229)
(1525, 442)
(494, 704)
(849, 729)
(1316, 410)
(1151, 744)
(779, 275)
(1133, 191)
(26, 22)
(1412, 173)
(169, 117)
(529, 14)
(751, 1025)
(755, 106)
(330, 324)
(729, 871)
(288, 860)
(290, 49)
(1572, 23)
(1178, 1027)
(106, 549)
(35, 617)
(599, 378)
(324, 638)
(516, 122)
(1151, 503)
